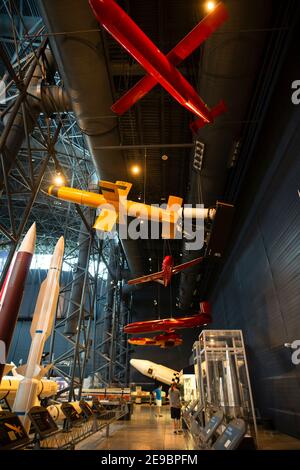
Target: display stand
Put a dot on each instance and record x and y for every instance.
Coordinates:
(73, 418)
(12, 433)
(86, 410)
(222, 377)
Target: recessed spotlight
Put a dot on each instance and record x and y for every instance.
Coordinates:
(164, 157)
(210, 6)
(59, 179)
(135, 169)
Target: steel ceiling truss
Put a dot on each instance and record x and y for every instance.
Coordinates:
(111, 349)
(71, 364)
(54, 143)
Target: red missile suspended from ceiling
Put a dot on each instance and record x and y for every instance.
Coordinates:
(170, 324)
(168, 270)
(165, 340)
(160, 67)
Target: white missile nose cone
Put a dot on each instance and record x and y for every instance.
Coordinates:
(59, 247)
(28, 243)
(61, 244)
(137, 363)
(58, 253)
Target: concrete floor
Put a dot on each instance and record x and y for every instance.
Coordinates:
(146, 432)
(272, 440)
(143, 432)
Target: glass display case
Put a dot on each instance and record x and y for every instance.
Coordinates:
(189, 387)
(222, 375)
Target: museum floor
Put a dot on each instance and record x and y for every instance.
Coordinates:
(146, 432)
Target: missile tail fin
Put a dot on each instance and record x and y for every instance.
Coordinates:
(123, 187)
(21, 370)
(168, 230)
(219, 109)
(169, 223)
(174, 201)
(7, 368)
(106, 220)
(39, 371)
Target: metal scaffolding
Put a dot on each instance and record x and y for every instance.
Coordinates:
(39, 139)
(111, 349)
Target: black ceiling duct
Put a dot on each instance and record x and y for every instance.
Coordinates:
(77, 45)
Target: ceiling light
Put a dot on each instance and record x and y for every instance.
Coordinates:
(164, 157)
(59, 179)
(210, 6)
(135, 169)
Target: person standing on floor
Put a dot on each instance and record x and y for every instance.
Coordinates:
(175, 407)
(152, 399)
(157, 393)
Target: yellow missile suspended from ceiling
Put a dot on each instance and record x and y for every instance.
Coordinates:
(114, 205)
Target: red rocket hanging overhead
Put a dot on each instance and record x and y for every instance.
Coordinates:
(165, 275)
(170, 324)
(161, 68)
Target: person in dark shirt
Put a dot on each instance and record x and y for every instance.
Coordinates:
(175, 407)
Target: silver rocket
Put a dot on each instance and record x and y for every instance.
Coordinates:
(12, 292)
(40, 330)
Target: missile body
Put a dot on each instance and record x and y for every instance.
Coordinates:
(57, 414)
(180, 52)
(155, 371)
(168, 324)
(114, 206)
(9, 387)
(135, 41)
(12, 291)
(166, 340)
(131, 208)
(41, 327)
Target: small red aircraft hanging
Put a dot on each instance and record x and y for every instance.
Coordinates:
(165, 275)
(170, 324)
(166, 340)
(161, 68)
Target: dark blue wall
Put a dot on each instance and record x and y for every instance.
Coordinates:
(259, 288)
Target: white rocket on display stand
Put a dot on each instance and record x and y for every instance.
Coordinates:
(40, 330)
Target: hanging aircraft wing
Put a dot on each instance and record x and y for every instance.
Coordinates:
(180, 52)
(147, 278)
(183, 266)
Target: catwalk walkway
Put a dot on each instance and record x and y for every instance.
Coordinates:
(143, 432)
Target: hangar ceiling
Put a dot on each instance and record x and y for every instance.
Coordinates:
(95, 71)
